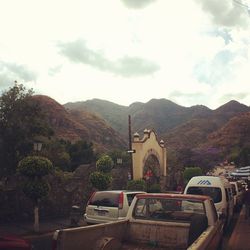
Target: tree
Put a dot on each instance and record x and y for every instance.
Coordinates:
(120, 154)
(190, 172)
(243, 158)
(21, 121)
(104, 164)
(57, 151)
(100, 180)
(81, 152)
(34, 168)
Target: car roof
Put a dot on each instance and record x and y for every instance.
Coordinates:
(175, 196)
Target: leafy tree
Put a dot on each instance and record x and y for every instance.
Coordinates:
(120, 154)
(34, 168)
(57, 151)
(21, 121)
(104, 164)
(81, 152)
(139, 185)
(243, 158)
(99, 180)
(190, 172)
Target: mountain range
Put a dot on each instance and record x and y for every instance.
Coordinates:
(187, 131)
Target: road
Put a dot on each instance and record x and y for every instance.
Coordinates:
(229, 231)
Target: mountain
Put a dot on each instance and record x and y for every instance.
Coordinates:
(75, 125)
(115, 115)
(235, 132)
(193, 135)
(160, 114)
(197, 130)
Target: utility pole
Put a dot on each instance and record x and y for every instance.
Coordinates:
(130, 151)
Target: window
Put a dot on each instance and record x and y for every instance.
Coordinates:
(168, 209)
(140, 210)
(106, 199)
(130, 198)
(213, 192)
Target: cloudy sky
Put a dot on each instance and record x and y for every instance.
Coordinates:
(124, 51)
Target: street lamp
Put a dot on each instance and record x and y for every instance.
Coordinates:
(37, 146)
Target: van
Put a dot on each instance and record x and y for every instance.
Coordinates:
(106, 206)
(218, 188)
(238, 193)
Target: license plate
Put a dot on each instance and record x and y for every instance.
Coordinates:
(101, 213)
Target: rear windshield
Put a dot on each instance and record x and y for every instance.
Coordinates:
(213, 192)
(106, 199)
(167, 209)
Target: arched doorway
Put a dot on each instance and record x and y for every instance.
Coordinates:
(151, 171)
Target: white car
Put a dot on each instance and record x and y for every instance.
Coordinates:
(106, 206)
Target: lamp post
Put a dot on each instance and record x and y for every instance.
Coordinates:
(37, 146)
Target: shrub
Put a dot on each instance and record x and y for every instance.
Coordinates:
(36, 189)
(104, 164)
(99, 180)
(139, 185)
(154, 188)
(34, 166)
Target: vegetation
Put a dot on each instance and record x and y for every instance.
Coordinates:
(34, 168)
(154, 188)
(21, 121)
(100, 180)
(190, 172)
(104, 164)
(243, 158)
(120, 158)
(80, 152)
(139, 185)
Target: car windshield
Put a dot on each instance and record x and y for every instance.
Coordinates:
(106, 199)
(213, 192)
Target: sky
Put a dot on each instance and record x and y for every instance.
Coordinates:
(192, 52)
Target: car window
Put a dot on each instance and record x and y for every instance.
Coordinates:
(213, 192)
(106, 199)
(130, 198)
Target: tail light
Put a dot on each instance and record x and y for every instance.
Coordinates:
(91, 197)
(121, 200)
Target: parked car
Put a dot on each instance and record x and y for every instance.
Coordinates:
(105, 206)
(238, 192)
(11, 242)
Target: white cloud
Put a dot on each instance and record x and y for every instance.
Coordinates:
(192, 52)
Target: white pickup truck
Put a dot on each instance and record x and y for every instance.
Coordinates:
(159, 221)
